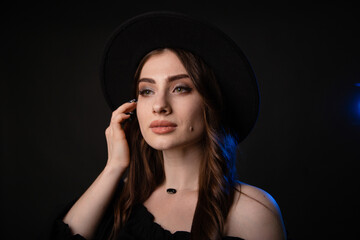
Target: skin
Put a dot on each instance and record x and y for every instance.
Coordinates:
(178, 101)
(254, 214)
(167, 93)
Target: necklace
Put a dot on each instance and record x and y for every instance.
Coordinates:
(171, 190)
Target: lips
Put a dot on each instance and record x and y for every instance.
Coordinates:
(162, 126)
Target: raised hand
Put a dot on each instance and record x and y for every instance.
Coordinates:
(118, 148)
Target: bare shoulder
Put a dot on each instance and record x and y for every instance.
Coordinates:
(254, 215)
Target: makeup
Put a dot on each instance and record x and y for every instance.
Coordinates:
(162, 126)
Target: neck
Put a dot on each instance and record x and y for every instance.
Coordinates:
(182, 168)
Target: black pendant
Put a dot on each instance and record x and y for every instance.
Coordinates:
(171, 191)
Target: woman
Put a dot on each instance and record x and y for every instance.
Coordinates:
(170, 172)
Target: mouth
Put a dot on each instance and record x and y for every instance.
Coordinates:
(162, 127)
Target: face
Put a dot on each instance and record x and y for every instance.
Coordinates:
(169, 108)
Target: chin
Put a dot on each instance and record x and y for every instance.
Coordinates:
(171, 141)
(161, 145)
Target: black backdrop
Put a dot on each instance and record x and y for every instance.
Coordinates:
(303, 150)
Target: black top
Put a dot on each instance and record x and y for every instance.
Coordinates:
(140, 226)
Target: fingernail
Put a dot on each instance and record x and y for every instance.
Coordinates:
(133, 100)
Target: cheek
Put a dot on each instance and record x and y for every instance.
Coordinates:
(196, 120)
(141, 114)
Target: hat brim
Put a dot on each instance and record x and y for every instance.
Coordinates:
(136, 37)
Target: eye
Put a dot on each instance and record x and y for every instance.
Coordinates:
(145, 92)
(182, 89)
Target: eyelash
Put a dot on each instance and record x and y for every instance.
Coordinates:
(143, 92)
(183, 89)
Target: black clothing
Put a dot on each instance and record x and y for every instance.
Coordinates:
(140, 226)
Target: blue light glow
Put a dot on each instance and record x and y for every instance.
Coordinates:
(356, 110)
(354, 101)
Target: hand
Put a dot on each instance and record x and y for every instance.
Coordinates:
(118, 148)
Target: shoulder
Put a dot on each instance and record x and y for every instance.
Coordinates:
(254, 215)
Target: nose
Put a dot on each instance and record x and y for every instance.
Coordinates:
(161, 104)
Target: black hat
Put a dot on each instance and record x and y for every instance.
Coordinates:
(136, 37)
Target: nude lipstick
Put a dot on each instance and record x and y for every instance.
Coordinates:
(162, 126)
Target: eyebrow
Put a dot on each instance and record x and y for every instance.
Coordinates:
(169, 79)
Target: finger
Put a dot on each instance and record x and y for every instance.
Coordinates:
(126, 107)
(119, 118)
(115, 129)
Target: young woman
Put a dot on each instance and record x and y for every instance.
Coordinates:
(170, 172)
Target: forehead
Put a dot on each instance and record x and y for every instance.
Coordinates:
(162, 64)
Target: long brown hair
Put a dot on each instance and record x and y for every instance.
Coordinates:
(217, 172)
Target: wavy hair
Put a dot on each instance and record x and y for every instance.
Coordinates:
(217, 170)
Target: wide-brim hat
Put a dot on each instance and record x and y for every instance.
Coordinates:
(136, 37)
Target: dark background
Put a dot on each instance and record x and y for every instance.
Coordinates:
(303, 150)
